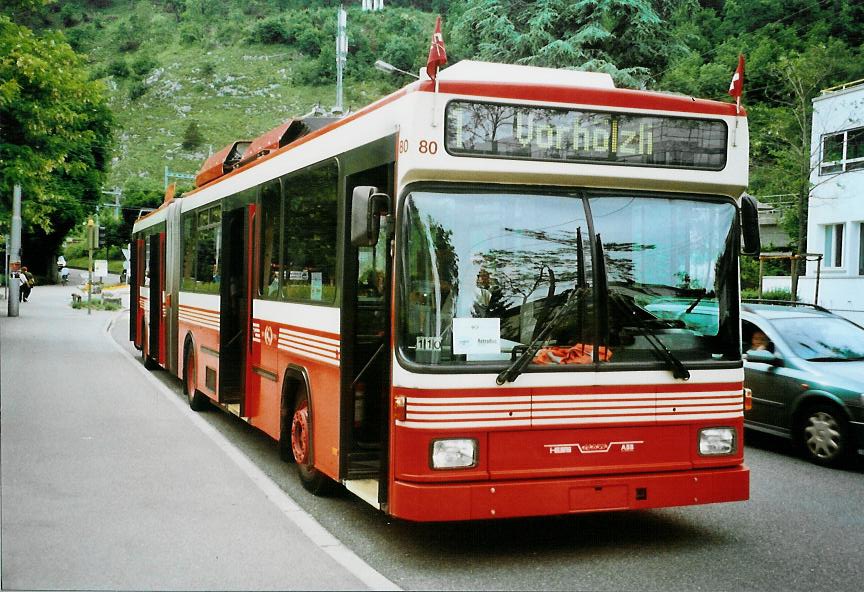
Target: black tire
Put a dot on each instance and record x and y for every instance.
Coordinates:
(197, 400)
(823, 434)
(313, 480)
(286, 412)
(148, 362)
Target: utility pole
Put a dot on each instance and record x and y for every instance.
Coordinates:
(15, 253)
(341, 53)
(6, 264)
(92, 238)
(117, 193)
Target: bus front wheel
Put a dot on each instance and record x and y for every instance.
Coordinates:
(311, 478)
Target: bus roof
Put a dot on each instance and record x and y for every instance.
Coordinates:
(490, 72)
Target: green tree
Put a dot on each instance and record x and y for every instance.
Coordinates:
(192, 136)
(804, 74)
(625, 38)
(56, 128)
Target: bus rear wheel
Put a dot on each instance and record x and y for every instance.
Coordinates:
(313, 480)
(197, 399)
(145, 347)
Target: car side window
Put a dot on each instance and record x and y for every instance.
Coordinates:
(753, 338)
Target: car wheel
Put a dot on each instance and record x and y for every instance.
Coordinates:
(311, 478)
(823, 434)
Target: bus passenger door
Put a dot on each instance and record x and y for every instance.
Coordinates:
(234, 305)
(263, 395)
(161, 356)
(136, 290)
(155, 334)
(366, 345)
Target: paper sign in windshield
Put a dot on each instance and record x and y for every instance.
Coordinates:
(317, 285)
(476, 336)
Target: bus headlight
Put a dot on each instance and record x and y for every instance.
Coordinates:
(454, 454)
(714, 441)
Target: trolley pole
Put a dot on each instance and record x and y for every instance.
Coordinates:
(14, 254)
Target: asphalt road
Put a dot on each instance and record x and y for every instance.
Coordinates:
(802, 529)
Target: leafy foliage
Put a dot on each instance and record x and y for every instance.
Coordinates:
(625, 38)
(56, 128)
(192, 137)
(794, 49)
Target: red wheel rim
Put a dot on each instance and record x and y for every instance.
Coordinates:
(300, 434)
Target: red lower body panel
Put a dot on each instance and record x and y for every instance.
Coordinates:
(507, 499)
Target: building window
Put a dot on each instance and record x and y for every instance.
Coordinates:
(861, 248)
(834, 245)
(842, 151)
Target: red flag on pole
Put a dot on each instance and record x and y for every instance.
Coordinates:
(437, 53)
(736, 87)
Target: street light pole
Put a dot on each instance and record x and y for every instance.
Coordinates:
(14, 254)
(341, 53)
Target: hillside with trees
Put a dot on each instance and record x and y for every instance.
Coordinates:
(175, 79)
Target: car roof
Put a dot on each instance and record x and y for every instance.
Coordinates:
(784, 311)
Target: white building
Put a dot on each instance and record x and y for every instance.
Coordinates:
(835, 226)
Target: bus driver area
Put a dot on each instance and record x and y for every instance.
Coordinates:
(511, 291)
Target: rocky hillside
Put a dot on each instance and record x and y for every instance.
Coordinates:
(188, 77)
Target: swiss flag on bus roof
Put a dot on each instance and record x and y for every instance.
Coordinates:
(437, 52)
(736, 87)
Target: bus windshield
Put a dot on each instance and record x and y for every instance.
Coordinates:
(486, 274)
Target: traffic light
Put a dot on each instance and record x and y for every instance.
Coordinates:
(102, 237)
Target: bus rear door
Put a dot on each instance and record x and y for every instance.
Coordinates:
(234, 305)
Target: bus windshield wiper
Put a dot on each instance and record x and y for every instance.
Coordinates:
(679, 370)
(697, 301)
(518, 366)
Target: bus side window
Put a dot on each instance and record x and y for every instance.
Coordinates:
(209, 245)
(271, 224)
(187, 283)
(309, 249)
(145, 277)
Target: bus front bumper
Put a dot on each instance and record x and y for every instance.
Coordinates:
(508, 499)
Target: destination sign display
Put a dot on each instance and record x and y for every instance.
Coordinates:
(546, 133)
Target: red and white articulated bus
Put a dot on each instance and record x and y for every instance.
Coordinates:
(511, 294)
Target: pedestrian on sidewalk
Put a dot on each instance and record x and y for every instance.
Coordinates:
(27, 282)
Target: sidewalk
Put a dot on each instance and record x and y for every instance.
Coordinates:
(107, 484)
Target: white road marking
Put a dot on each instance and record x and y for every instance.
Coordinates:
(319, 535)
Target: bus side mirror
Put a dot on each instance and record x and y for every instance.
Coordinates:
(750, 226)
(367, 207)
